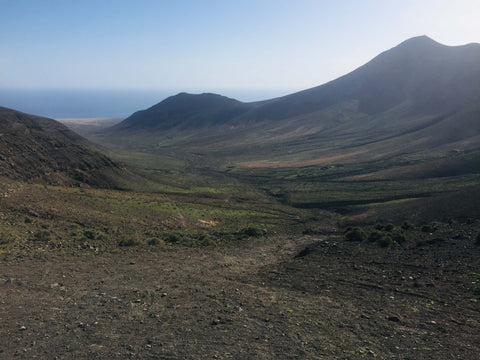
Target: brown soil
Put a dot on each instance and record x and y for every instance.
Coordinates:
(285, 298)
(301, 163)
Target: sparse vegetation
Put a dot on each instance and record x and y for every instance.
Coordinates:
(428, 228)
(374, 236)
(42, 236)
(385, 241)
(123, 281)
(128, 242)
(254, 231)
(6, 238)
(389, 227)
(355, 234)
(153, 242)
(399, 238)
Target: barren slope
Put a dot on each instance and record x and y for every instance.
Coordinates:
(33, 147)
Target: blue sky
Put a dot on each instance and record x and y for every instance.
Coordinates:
(208, 44)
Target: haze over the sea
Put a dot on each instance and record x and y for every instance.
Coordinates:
(200, 46)
(92, 103)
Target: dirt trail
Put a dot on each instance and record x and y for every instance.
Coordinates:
(254, 300)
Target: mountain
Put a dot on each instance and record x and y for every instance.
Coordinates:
(420, 96)
(430, 77)
(38, 148)
(185, 111)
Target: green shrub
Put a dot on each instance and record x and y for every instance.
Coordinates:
(153, 242)
(385, 241)
(128, 242)
(42, 235)
(6, 239)
(399, 238)
(374, 236)
(428, 228)
(355, 234)
(206, 240)
(254, 231)
(89, 234)
(407, 225)
(173, 238)
(389, 227)
(92, 234)
(477, 240)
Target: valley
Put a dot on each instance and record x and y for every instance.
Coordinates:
(341, 221)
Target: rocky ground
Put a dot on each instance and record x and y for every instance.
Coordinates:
(310, 297)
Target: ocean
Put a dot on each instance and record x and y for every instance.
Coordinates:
(74, 103)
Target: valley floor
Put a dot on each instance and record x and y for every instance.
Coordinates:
(258, 299)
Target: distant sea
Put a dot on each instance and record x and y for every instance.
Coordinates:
(60, 104)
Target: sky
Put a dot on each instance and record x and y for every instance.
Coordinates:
(208, 45)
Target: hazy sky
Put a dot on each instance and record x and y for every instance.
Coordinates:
(210, 44)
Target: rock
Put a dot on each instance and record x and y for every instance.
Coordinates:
(393, 318)
(418, 284)
(304, 252)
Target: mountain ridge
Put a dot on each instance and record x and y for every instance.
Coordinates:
(389, 79)
(405, 100)
(38, 148)
(398, 64)
(185, 108)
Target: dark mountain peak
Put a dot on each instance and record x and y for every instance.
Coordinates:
(185, 110)
(420, 48)
(429, 77)
(424, 47)
(419, 42)
(206, 95)
(195, 100)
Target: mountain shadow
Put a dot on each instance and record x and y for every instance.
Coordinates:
(185, 112)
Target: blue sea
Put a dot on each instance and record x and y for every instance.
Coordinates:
(59, 104)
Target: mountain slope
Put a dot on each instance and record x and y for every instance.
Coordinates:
(33, 147)
(185, 111)
(432, 77)
(418, 97)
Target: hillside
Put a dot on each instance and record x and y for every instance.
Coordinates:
(430, 77)
(404, 126)
(33, 147)
(420, 96)
(185, 111)
(341, 222)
